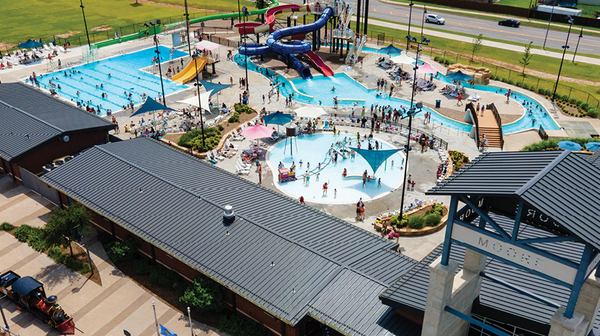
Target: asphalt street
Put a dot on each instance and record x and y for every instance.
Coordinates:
(474, 26)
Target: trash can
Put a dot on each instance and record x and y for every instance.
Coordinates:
(438, 103)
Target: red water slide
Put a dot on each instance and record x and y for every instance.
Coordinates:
(318, 61)
(257, 27)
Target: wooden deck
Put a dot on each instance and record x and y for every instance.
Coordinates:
(489, 127)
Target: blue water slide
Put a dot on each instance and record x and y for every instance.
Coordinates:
(297, 48)
(301, 68)
(252, 49)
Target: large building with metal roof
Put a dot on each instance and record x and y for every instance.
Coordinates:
(36, 128)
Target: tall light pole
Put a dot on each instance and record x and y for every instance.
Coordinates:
(197, 85)
(423, 21)
(411, 113)
(577, 47)
(187, 25)
(246, 13)
(85, 24)
(565, 47)
(409, 18)
(162, 87)
(547, 29)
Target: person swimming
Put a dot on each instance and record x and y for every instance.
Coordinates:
(333, 89)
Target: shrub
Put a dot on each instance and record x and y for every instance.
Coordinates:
(525, 86)
(36, 239)
(394, 221)
(76, 265)
(105, 238)
(142, 266)
(163, 277)
(509, 81)
(239, 326)
(188, 137)
(592, 112)
(242, 108)
(235, 117)
(22, 232)
(6, 226)
(204, 295)
(416, 222)
(221, 128)
(433, 219)
(122, 250)
(57, 255)
(519, 84)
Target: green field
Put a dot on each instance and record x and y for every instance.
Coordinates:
(43, 19)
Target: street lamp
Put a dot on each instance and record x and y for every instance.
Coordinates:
(162, 87)
(577, 47)
(409, 18)
(85, 24)
(423, 21)
(414, 109)
(197, 85)
(187, 25)
(565, 47)
(246, 13)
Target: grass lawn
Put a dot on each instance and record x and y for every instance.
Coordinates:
(42, 19)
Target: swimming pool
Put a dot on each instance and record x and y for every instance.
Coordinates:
(313, 149)
(125, 76)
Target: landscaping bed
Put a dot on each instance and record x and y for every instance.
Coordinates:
(419, 222)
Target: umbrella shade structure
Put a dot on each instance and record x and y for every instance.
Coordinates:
(402, 59)
(257, 132)
(206, 45)
(391, 49)
(194, 100)
(427, 68)
(375, 158)
(592, 146)
(151, 105)
(278, 118)
(310, 112)
(458, 77)
(30, 44)
(569, 145)
(214, 87)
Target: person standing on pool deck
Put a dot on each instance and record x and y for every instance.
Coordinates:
(325, 189)
(408, 184)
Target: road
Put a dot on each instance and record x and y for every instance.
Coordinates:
(475, 26)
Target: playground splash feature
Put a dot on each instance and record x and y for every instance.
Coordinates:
(317, 153)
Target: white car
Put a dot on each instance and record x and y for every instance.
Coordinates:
(433, 18)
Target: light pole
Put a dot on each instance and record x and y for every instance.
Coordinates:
(246, 13)
(547, 29)
(187, 25)
(423, 22)
(411, 113)
(565, 47)
(85, 24)
(197, 85)
(577, 47)
(162, 87)
(409, 18)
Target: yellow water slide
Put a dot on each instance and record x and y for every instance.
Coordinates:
(190, 71)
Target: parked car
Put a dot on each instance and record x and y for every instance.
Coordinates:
(510, 23)
(433, 18)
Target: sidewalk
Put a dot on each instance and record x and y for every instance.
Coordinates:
(491, 15)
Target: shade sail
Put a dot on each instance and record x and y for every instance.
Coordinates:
(206, 45)
(151, 105)
(30, 44)
(310, 112)
(402, 59)
(427, 69)
(569, 145)
(278, 118)
(390, 50)
(458, 77)
(194, 100)
(214, 87)
(257, 132)
(375, 157)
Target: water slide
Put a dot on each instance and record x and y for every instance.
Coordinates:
(190, 71)
(318, 61)
(257, 27)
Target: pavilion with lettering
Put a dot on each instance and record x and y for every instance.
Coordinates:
(556, 194)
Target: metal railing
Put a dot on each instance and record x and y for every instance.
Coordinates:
(471, 108)
(498, 121)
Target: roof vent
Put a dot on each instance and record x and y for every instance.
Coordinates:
(228, 215)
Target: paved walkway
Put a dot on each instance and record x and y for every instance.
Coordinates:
(119, 304)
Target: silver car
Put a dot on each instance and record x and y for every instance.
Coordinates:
(433, 18)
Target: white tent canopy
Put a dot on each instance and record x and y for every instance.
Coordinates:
(206, 45)
(194, 100)
(402, 59)
(310, 112)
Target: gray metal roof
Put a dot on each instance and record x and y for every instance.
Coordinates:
(561, 184)
(410, 292)
(595, 158)
(30, 118)
(175, 201)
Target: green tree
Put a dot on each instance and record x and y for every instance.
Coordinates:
(526, 58)
(260, 4)
(477, 44)
(204, 295)
(65, 225)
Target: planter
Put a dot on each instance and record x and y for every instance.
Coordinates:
(406, 231)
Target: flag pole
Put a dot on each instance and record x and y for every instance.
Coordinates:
(155, 319)
(190, 318)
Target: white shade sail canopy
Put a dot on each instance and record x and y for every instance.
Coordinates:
(194, 100)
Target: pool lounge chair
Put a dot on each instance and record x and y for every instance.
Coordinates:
(217, 156)
(473, 97)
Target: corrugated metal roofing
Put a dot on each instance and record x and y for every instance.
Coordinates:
(30, 118)
(176, 201)
(561, 184)
(595, 159)
(410, 293)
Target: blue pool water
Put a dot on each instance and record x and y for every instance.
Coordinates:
(314, 149)
(126, 76)
(349, 92)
